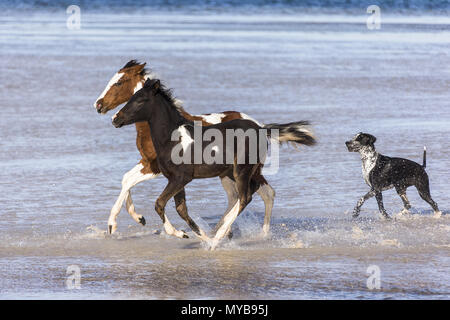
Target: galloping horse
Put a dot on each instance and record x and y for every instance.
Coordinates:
(154, 104)
(120, 89)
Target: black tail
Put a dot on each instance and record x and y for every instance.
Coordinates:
(424, 157)
(296, 132)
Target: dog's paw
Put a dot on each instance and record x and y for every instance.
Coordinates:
(437, 214)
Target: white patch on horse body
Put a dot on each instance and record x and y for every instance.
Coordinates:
(111, 82)
(369, 159)
(213, 118)
(186, 139)
(247, 117)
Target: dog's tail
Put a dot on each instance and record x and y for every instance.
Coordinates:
(424, 157)
(296, 132)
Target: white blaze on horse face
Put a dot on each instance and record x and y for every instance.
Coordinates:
(186, 139)
(111, 82)
(213, 118)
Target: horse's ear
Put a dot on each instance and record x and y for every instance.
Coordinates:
(148, 83)
(130, 63)
(156, 86)
(152, 84)
(140, 67)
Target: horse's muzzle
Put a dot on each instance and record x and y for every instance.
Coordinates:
(99, 106)
(118, 121)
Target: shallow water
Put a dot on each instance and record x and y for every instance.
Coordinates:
(61, 163)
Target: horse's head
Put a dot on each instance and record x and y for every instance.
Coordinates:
(138, 108)
(121, 87)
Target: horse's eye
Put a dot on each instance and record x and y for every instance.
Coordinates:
(118, 84)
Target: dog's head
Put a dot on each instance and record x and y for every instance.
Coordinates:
(359, 141)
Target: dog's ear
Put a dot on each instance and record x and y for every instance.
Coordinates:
(369, 139)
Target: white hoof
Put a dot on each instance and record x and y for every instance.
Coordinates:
(437, 214)
(213, 244)
(266, 232)
(171, 231)
(404, 212)
(180, 234)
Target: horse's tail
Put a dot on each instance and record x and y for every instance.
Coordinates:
(298, 132)
(424, 157)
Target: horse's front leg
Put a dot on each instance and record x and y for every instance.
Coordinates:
(130, 179)
(173, 187)
(180, 204)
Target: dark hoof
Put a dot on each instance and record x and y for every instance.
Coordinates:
(355, 215)
(142, 221)
(230, 235)
(387, 218)
(185, 236)
(109, 229)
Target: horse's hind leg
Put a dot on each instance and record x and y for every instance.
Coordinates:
(242, 175)
(230, 188)
(129, 180)
(180, 204)
(266, 193)
(172, 188)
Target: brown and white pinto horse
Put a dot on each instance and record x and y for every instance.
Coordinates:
(120, 89)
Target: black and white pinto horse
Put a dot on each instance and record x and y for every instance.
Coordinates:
(154, 104)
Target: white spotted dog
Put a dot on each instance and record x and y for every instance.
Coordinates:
(382, 173)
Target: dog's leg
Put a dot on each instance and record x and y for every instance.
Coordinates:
(379, 197)
(402, 193)
(424, 193)
(361, 201)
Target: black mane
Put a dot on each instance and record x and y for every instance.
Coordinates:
(166, 93)
(133, 63)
